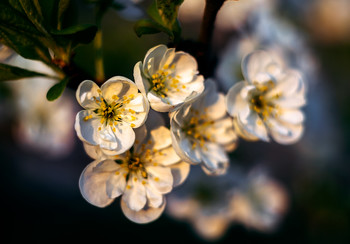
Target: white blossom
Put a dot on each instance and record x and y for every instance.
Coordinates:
(168, 78)
(110, 113)
(259, 202)
(41, 125)
(142, 175)
(202, 131)
(205, 202)
(268, 101)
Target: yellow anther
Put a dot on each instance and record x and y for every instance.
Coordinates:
(99, 91)
(183, 86)
(144, 174)
(128, 187)
(113, 129)
(143, 182)
(135, 179)
(194, 145)
(132, 125)
(156, 179)
(117, 173)
(115, 97)
(133, 118)
(155, 164)
(132, 111)
(99, 128)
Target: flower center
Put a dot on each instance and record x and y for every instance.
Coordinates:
(135, 164)
(197, 129)
(260, 103)
(114, 112)
(162, 81)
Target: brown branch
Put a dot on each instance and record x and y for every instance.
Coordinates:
(206, 34)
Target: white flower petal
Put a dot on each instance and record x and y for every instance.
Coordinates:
(253, 126)
(292, 134)
(120, 86)
(192, 154)
(295, 101)
(180, 171)
(239, 129)
(116, 184)
(141, 82)
(122, 138)
(289, 84)
(185, 66)
(176, 145)
(161, 137)
(161, 178)
(92, 186)
(213, 102)
(143, 216)
(154, 197)
(87, 129)
(235, 105)
(135, 193)
(168, 58)
(166, 156)
(159, 104)
(93, 151)
(214, 159)
(85, 94)
(292, 116)
(139, 104)
(154, 55)
(181, 115)
(259, 62)
(222, 131)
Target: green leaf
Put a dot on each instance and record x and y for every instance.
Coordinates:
(56, 90)
(168, 10)
(147, 26)
(83, 33)
(34, 15)
(153, 12)
(8, 72)
(164, 19)
(62, 7)
(11, 18)
(23, 44)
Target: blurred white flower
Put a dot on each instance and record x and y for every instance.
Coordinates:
(205, 202)
(202, 131)
(110, 113)
(259, 202)
(142, 175)
(231, 16)
(41, 125)
(268, 101)
(168, 78)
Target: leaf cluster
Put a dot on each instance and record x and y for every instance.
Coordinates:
(163, 18)
(37, 29)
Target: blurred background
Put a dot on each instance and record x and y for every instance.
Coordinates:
(42, 158)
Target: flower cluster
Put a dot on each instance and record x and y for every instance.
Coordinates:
(138, 158)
